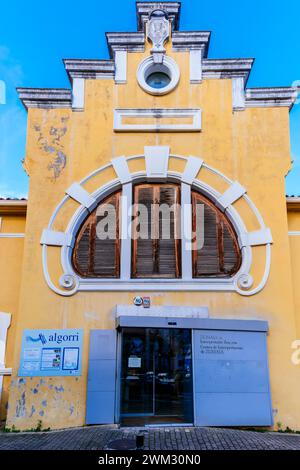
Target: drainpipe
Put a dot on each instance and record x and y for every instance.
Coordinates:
(5, 319)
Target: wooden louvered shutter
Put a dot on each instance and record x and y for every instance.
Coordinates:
(94, 257)
(220, 254)
(156, 257)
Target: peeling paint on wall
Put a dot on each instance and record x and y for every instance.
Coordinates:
(58, 164)
(21, 407)
(50, 142)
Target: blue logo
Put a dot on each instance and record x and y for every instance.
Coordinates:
(40, 338)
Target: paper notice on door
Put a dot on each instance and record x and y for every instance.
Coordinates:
(134, 362)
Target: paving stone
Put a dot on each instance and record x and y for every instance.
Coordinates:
(97, 437)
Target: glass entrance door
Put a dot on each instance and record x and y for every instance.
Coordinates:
(156, 376)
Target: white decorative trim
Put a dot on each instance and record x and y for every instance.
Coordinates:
(162, 311)
(143, 10)
(121, 168)
(4, 371)
(168, 285)
(12, 235)
(157, 158)
(292, 233)
(186, 232)
(5, 319)
(53, 238)
(232, 194)
(257, 237)
(226, 68)
(158, 33)
(191, 170)
(131, 42)
(157, 114)
(48, 98)
(79, 194)
(126, 242)
(148, 66)
(120, 66)
(241, 282)
(185, 41)
(67, 281)
(238, 93)
(271, 97)
(195, 66)
(89, 69)
(78, 86)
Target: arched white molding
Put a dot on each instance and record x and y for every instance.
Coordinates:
(76, 192)
(241, 282)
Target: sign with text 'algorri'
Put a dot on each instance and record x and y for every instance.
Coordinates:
(51, 353)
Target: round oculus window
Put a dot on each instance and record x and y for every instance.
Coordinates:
(156, 78)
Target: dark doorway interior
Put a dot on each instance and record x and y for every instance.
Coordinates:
(156, 376)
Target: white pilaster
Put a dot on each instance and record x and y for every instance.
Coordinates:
(186, 232)
(238, 93)
(195, 65)
(126, 215)
(78, 93)
(121, 66)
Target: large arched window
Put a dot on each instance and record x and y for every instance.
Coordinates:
(219, 254)
(96, 256)
(156, 237)
(156, 244)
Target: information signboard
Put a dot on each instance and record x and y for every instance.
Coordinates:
(51, 353)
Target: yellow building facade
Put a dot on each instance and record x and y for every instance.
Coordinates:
(166, 334)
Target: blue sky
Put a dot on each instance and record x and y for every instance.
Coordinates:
(36, 35)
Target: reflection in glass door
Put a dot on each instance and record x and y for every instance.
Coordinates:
(156, 376)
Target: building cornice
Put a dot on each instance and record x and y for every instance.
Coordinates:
(293, 203)
(13, 207)
(89, 68)
(271, 97)
(144, 8)
(191, 40)
(131, 42)
(227, 68)
(201, 67)
(45, 97)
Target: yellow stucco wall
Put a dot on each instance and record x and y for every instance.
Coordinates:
(251, 146)
(294, 239)
(11, 256)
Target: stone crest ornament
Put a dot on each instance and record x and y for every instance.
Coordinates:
(158, 33)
